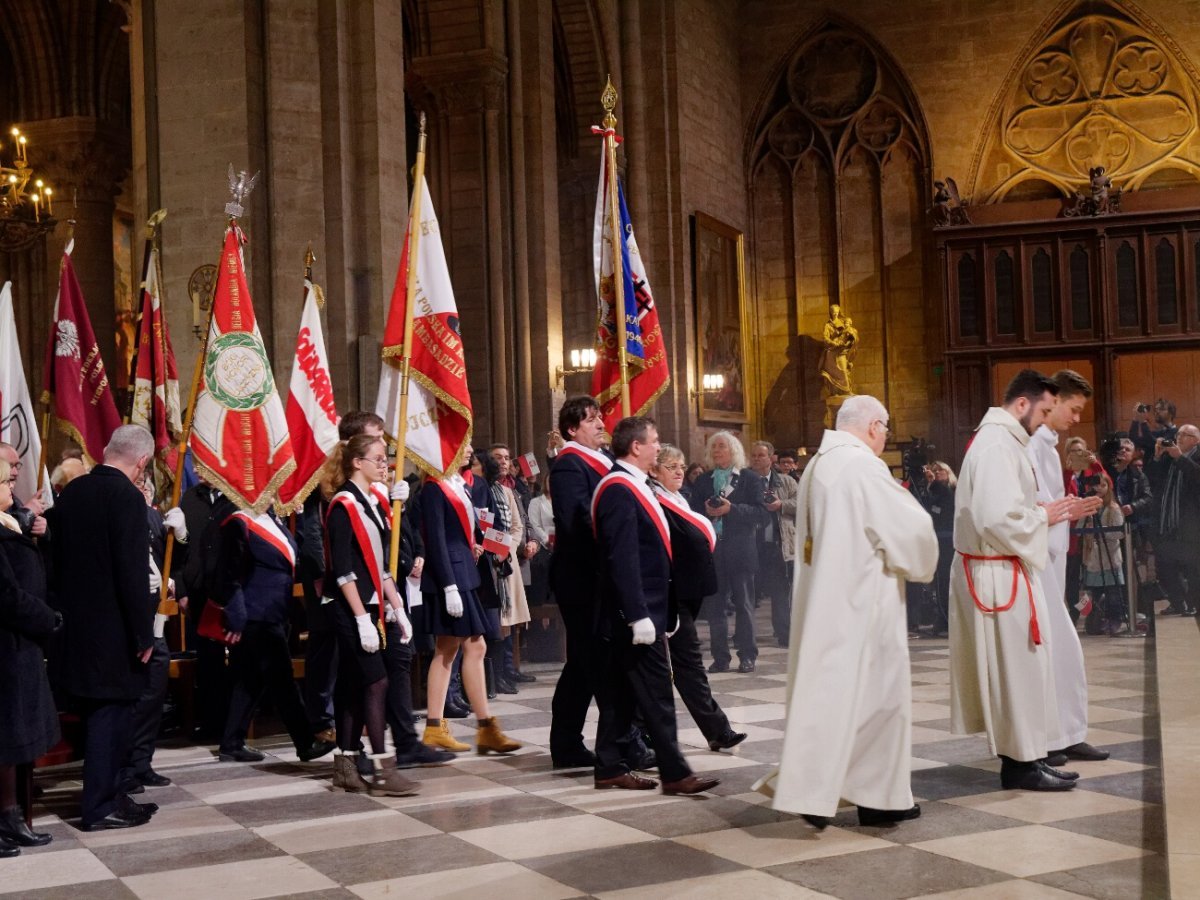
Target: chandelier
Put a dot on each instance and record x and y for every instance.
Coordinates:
(26, 202)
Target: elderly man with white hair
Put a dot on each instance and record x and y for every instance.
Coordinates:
(859, 537)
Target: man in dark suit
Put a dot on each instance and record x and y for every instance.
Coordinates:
(637, 611)
(733, 497)
(776, 539)
(102, 553)
(577, 469)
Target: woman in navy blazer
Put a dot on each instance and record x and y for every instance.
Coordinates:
(454, 614)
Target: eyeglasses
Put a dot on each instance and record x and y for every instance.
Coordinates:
(679, 467)
(378, 460)
(17, 466)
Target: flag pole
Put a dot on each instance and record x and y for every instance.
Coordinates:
(608, 100)
(410, 293)
(151, 240)
(47, 397)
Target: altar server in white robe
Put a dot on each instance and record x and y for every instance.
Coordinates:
(1001, 680)
(1066, 653)
(859, 536)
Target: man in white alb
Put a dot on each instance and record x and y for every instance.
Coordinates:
(1001, 679)
(859, 536)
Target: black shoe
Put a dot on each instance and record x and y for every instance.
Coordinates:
(520, 677)
(504, 686)
(1085, 751)
(423, 755)
(1055, 759)
(8, 849)
(129, 807)
(1188, 611)
(726, 741)
(746, 665)
(315, 750)
(877, 818)
(647, 761)
(719, 667)
(818, 822)
(1172, 610)
(152, 779)
(131, 786)
(452, 710)
(241, 754)
(582, 758)
(117, 820)
(1058, 773)
(13, 830)
(1029, 776)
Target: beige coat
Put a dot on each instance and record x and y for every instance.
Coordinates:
(518, 613)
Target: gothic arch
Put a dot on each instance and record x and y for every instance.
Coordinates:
(582, 62)
(837, 164)
(1099, 84)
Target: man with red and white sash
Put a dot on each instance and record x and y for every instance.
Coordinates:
(636, 615)
(1001, 680)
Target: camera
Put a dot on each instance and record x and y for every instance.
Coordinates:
(769, 497)
(1168, 442)
(1143, 407)
(1088, 485)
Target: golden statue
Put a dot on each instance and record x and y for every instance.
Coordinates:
(837, 359)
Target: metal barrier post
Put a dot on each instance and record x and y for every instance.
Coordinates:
(1131, 583)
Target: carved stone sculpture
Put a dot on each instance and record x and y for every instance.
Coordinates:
(840, 338)
(948, 207)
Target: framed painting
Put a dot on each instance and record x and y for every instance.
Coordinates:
(721, 328)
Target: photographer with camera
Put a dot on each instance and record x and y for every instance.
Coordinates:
(1148, 427)
(1179, 520)
(1103, 561)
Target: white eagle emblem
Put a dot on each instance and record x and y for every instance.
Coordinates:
(66, 340)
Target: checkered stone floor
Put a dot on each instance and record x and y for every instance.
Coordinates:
(513, 827)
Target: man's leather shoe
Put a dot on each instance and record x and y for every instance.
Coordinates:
(629, 782)
(454, 710)
(241, 754)
(575, 759)
(746, 665)
(1018, 776)
(116, 820)
(1055, 759)
(504, 686)
(315, 750)
(693, 784)
(132, 786)
(719, 667)
(133, 808)
(647, 761)
(818, 822)
(882, 817)
(14, 830)
(1188, 612)
(1058, 773)
(8, 849)
(1085, 751)
(423, 755)
(152, 779)
(520, 677)
(732, 739)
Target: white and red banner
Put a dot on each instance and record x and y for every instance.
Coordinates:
(156, 381)
(311, 413)
(529, 465)
(239, 436)
(18, 421)
(439, 402)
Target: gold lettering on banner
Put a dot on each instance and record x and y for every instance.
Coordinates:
(247, 453)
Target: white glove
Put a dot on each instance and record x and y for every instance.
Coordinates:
(643, 631)
(400, 491)
(155, 578)
(396, 614)
(175, 521)
(454, 604)
(368, 634)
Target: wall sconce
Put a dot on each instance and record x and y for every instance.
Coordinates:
(583, 360)
(710, 383)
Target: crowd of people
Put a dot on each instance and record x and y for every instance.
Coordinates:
(635, 546)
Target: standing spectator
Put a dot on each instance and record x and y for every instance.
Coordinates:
(787, 465)
(777, 538)
(101, 548)
(942, 483)
(694, 471)
(28, 514)
(512, 505)
(1175, 548)
(1081, 466)
(1132, 487)
(541, 529)
(1104, 563)
(28, 720)
(1146, 430)
(732, 496)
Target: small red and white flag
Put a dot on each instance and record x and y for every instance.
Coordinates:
(311, 412)
(239, 436)
(439, 401)
(496, 542)
(156, 382)
(529, 466)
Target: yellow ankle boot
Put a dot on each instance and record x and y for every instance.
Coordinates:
(439, 736)
(489, 738)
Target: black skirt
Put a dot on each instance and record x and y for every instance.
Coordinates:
(356, 667)
(474, 620)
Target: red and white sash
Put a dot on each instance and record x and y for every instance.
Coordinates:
(600, 463)
(368, 538)
(649, 503)
(459, 504)
(689, 515)
(270, 531)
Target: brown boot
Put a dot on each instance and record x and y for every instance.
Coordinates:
(438, 735)
(490, 739)
(387, 782)
(345, 773)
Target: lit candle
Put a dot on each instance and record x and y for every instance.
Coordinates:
(37, 214)
(574, 359)
(49, 202)
(21, 146)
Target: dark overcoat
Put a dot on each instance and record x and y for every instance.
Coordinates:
(739, 527)
(28, 720)
(102, 569)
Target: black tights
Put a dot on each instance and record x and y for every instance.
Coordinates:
(8, 786)
(367, 709)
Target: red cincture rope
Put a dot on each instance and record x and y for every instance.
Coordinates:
(1035, 633)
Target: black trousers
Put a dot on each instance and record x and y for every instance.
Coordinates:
(691, 680)
(1180, 580)
(320, 666)
(734, 584)
(398, 660)
(638, 679)
(773, 581)
(259, 663)
(105, 745)
(576, 684)
(147, 714)
(212, 683)
(941, 581)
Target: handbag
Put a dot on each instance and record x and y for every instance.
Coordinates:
(211, 624)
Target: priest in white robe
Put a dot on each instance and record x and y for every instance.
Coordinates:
(859, 536)
(1001, 680)
(1066, 653)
